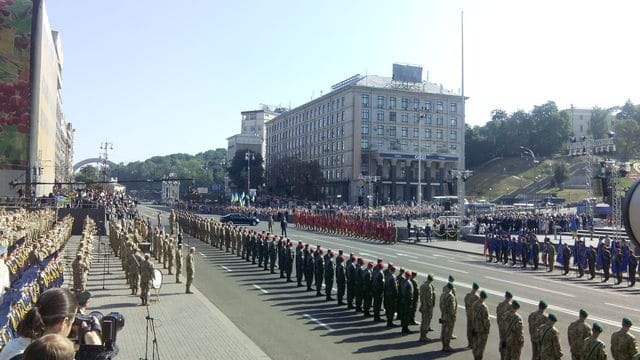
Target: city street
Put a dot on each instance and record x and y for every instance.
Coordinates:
(287, 322)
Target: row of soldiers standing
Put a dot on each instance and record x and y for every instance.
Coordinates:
(81, 265)
(374, 287)
(127, 240)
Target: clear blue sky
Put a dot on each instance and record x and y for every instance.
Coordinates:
(161, 77)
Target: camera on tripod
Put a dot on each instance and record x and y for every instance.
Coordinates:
(107, 325)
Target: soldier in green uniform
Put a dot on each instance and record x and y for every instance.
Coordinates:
(191, 269)
(404, 305)
(135, 262)
(503, 309)
(469, 300)
(623, 344)
(416, 298)
(514, 334)
(551, 255)
(146, 275)
(594, 348)
(171, 249)
(377, 285)
(480, 325)
(535, 320)
(577, 332)
(448, 310)
(179, 254)
(427, 303)
(549, 340)
(390, 295)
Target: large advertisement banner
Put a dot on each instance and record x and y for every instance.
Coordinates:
(15, 82)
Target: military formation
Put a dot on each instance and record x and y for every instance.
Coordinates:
(82, 263)
(370, 288)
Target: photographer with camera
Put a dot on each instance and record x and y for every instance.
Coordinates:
(55, 313)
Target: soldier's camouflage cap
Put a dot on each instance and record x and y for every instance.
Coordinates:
(508, 295)
(627, 322)
(475, 285)
(430, 277)
(450, 286)
(483, 294)
(553, 317)
(451, 279)
(515, 304)
(583, 313)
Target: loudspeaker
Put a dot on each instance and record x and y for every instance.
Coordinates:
(631, 213)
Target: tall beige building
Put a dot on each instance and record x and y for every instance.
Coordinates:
(368, 134)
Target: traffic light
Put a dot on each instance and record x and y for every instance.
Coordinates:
(361, 200)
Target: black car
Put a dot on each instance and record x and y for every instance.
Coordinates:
(236, 218)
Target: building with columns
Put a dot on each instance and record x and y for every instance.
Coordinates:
(368, 135)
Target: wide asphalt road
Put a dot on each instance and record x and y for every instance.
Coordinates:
(289, 323)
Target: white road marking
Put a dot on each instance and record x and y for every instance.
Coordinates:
(622, 307)
(438, 266)
(261, 289)
(203, 255)
(318, 322)
(529, 286)
(357, 245)
(407, 255)
(226, 268)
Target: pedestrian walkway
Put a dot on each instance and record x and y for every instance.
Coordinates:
(186, 326)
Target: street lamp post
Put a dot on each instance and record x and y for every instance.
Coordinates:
(533, 156)
(249, 156)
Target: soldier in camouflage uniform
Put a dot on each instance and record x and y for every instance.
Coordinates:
(623, 344)
(535, 320)
(594, 348)
(427, 303)
(469, 300)
(448, 310)
(80, 270)
(481, 325)
(146, 275)
(191, 269)
(514, 333)
(549, 340)
(171, 249)
(179, 254)
(503, 309)
(577, 332)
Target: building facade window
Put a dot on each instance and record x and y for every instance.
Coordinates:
(427, 133)
(416, 118)
(427, 119)
(416, 104)
(380, 102)
(404, 117)
(439, 107)
(392, 116)
(392, 102)
(416, 132)
(404, 145)
(365, 114)
(380, 115)
(454, 121)
(404, 131)
(439, 134)
(365, 100)
(453, 135)
(392, 131)
(405, 103)
(380, 130)
(427, 106)
(453, 108)
(415, 146)
(364, 129)
(364, 143)
(439, 120)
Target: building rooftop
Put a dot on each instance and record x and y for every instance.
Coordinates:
(384, 82)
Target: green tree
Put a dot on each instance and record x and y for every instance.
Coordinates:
(550, 130)
(598, 125)
(293, 177)
(628, 111)
(87, 173)
(627, 139)
(238, 170)
(560, 173)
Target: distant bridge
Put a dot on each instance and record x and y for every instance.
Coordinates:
(84, 162)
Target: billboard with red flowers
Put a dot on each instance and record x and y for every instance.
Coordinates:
(16, 17)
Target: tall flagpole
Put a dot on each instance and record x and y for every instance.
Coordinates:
(461, 157)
